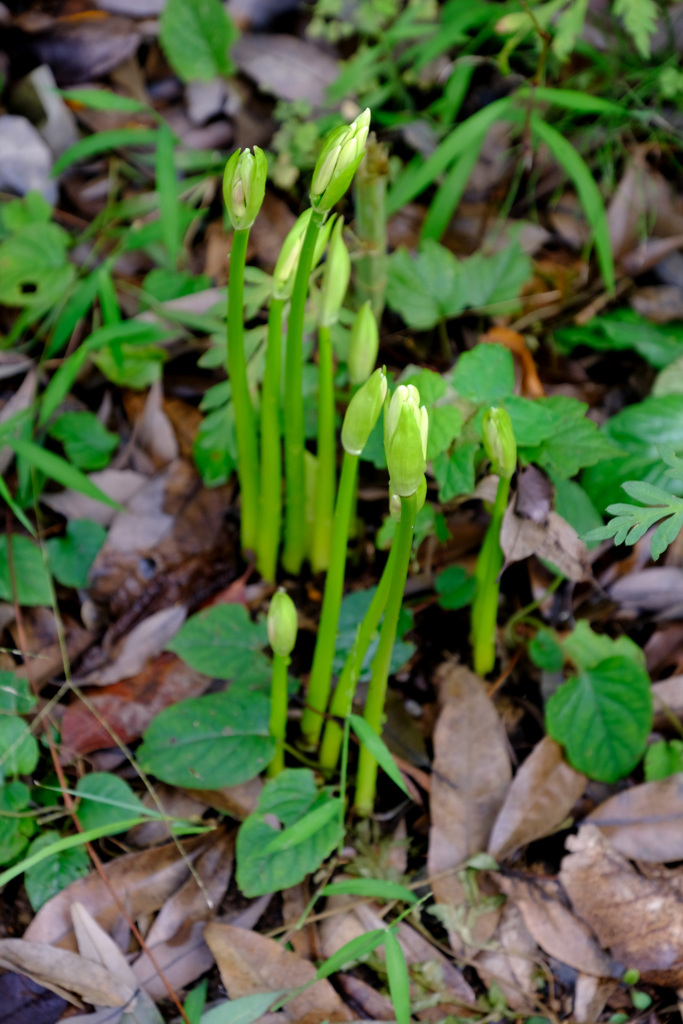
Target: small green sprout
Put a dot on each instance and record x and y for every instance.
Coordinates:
(282, 631)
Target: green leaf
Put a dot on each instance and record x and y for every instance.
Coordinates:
(106, 799)
(574, 505)
(54, 873)
(659, 344)
(574, 165)
(102, 142)
(602, 482)
(245, 1010)
(105, 99)
(14, 832)
(379, 750)
(131, 366)
(167, 191)
(575, 442)
(533, 421)
(445, 424)
(351, 612)
(399, 979)
(663, 759)
(372, 888)
(213, 453)
(546, 652)
(455, 472)
(34, 269)
(221, 641)
(196, 36)
(455, 587)
(424, 289)
(71, 557)
(485, 375)
(59, 469)
(16, 696)
(208, 742)
(640, 19)
(269, 860)
(586, 648)
(352, 951)
(572, 99)
(18, 748)
(87, 442)
(30, 575)
(642, 427)
(603, 717)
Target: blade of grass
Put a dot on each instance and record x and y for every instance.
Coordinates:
(167, 190)
(102, 142)
(59, 469)
(450, 192)
(399, 979)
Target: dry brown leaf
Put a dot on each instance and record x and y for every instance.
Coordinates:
(119, 484)
(142, 882)
(250, 963)
(513, 963)
(18, 402)
(590, 996)
(174, 803)
(156, 434)
(554, 540)
(145, 641)
(542, 794)
(643, 196)
(646, 821)
(64, 972)
(289, 67)
(553, 926)
(372, 1003)
(639, 920)
(471, 776)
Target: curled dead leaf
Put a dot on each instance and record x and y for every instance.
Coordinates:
(646, 821)
(554, 540)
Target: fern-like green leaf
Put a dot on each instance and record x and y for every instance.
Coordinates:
(631, 522)
(640, 21)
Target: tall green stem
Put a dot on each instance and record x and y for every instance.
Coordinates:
(369, 189)
(321, 672)
(374, 706)
(278, 711)
(245, 422)
(270, 512)
(342, 699)
(295, 519)
(487, 588)
(325, 481)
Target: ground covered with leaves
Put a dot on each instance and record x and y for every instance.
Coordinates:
(516, 229)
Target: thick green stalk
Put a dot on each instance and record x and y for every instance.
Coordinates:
(295, 518)
(374, 706)
(369, 190)
(270, 512)
(278, 711)
(245, 422)
(321, 672)
(326, 478)
(485, 603)
(342, 699)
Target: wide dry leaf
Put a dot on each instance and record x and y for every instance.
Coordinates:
(556, 930)
(142, 882)
(512, 961)
(554, 540)
(645, 822)
(542, 794)
(118, 484)
(289, 67)
(250, 963)
(590, 996)
(470, 778)
(64, 972)
(639, 920)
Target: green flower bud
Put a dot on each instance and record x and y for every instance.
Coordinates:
(336, 276)
(288, 260)
(244, 186)
(406, 425)
(499, 441)
(395, 500)
(363, 412)
(282, 623)
(363, 346)
(341, 153)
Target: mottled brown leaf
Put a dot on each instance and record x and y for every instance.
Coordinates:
(554, 540)
(645, 822)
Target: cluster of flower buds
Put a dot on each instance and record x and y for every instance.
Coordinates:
(244, 186)
(282, 623)
(406, 425)
(363, 345)
(499, 441)
(288, 260)
(341, 153)
(363, 412)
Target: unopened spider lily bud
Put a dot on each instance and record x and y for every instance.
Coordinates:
(341, 153)
(363, 412)
(363, 346)
(282, 623)
(336, 276)
(244, 186)
(395, 501)
(288, 260)
(499, 441)
(406, 424)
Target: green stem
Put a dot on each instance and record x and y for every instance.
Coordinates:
(245, 423)
(321, 672)
(369, 190)
(374, 705)
(278, 711)
(487, 588)
(342, 699)
(326, 478)
(295, 519)
(270, 518)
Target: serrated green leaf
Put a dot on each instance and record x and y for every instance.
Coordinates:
(659, 344)
(485, 375)
(54, 873)
(71, 557)
(208, 742)
(196, 36)
(586, 648)
(222, 641)
(454, 472)
(640, 21)
(603, 717)
(87, 442)
(533, 421)
(314, 834)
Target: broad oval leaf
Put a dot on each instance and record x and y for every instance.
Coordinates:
(209, 742)
(196, 36)
(603, 717)
(221, 641)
